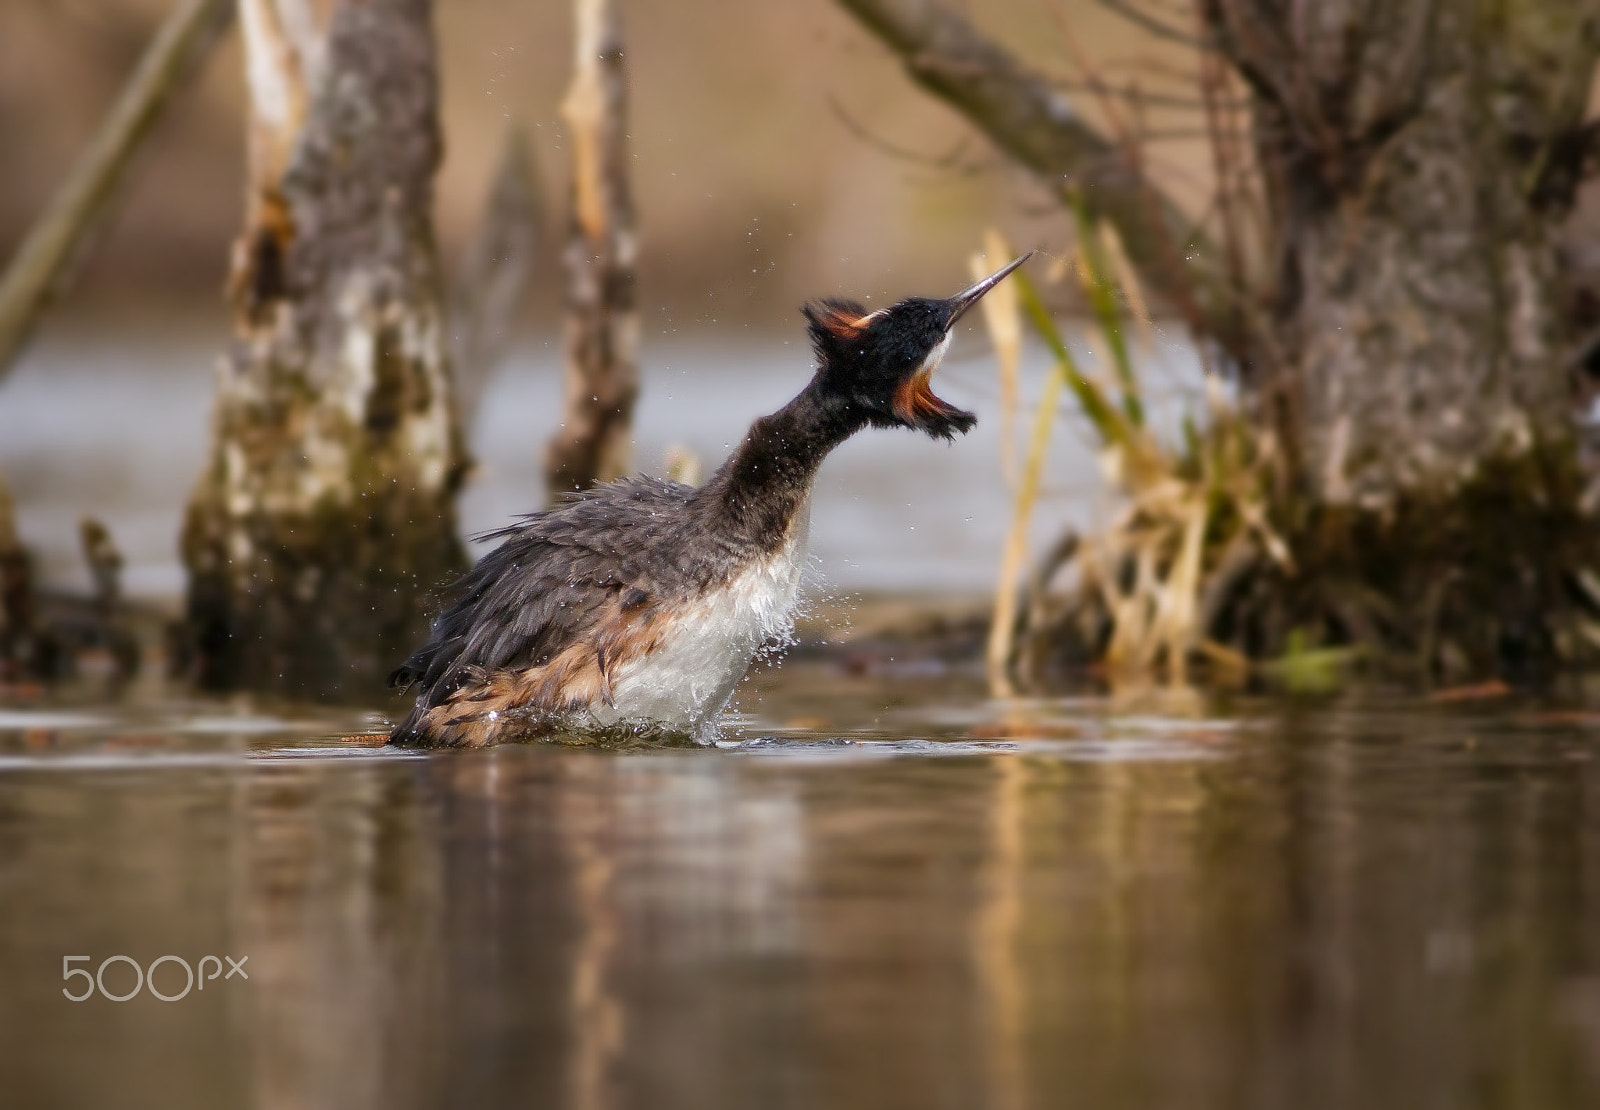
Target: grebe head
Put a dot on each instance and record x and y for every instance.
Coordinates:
(881, 362)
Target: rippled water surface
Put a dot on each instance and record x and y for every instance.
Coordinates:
(878, 892)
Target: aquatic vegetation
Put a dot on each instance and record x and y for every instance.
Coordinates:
(1386, 290)
(1196, 512)
(1218, 557)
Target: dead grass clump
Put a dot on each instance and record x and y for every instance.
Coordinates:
(1198, 514)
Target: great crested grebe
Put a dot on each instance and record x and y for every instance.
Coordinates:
(639, 604)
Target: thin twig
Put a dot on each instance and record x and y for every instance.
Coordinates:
(1166, 247)
(1222, 161)
(1035, 124)
(950, 161)
(1153, 24)
(1133, 94)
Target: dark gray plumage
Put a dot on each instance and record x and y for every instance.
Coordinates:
(643, 601)
(635, 541)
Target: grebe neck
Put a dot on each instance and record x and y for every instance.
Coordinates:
(764, 483)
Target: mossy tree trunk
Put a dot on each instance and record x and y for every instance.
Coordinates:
(325, 515)
(1404, 341)
(1418, 158)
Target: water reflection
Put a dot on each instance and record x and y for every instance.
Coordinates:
(1362, 908)
(996, 935)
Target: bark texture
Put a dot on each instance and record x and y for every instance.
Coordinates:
(602, 331)
(1418, 157)
(326, 512)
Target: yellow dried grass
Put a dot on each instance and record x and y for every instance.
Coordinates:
(1186, 506)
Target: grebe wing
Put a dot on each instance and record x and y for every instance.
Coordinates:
(556, 577)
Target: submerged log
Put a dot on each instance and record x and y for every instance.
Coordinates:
(326, 513)
(602, 335)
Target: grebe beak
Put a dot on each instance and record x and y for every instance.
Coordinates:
(973, 293)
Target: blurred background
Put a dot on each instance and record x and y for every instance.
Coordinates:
(779, 155)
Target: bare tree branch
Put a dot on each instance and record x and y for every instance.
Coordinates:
(34, 275)
(952, 160)
(1032, 121)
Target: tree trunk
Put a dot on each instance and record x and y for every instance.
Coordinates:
(1411, 348)
(1417, 157)
(326, 513)
(602, 341)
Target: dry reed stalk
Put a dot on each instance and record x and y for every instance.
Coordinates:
(602, 331)
(1127, 280)
(1002, 628)
(1101, 294)
(1003, 319)
(1192, 512)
